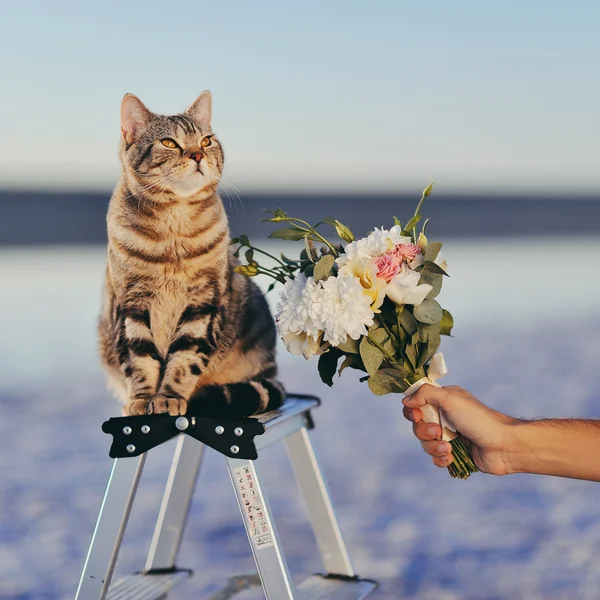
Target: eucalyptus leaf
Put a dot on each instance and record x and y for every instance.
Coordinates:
(429, 312)
(447, 323)
(398, 372)
(429, 349)
(288, 233)
(434, 268)
(435, 280)
(382, 383)
(381, 336)
(323, 267)
(433, 249)
(407, 321)
(427, 331)
(348, 362)
(412, 354)
(371, 356)
(328, 365)
(350, 346)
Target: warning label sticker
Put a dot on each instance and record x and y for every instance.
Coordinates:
(253, 505)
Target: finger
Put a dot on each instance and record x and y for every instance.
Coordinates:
(442, 461)
(412, 414)
(437, 448)
(427, 431)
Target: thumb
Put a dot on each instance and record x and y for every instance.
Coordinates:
(426, 394)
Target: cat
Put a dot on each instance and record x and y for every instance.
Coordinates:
(180, 331)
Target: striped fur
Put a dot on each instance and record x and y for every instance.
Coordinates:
(180, 331)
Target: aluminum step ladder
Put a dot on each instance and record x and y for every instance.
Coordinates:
(240, 441)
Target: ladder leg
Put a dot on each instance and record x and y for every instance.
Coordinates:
(318, 503)
(261, 530)
(175, 504)
(110, 526)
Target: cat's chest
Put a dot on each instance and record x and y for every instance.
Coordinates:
(168, 303)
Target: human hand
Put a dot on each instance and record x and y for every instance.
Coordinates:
(487, 433)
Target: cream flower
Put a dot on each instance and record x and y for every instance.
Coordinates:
(366, 272)
(405, 288)
(301, 343)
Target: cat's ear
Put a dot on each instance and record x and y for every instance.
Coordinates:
(134, 117)
(200, 110)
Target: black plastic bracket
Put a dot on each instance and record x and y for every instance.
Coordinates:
(133, 436)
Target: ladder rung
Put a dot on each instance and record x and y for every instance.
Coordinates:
(144, 586)
(319, 587)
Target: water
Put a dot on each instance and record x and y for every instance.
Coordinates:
(527, 342)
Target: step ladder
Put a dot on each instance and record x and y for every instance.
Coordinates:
(240, 441)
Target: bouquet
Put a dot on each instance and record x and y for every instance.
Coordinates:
(370, 303)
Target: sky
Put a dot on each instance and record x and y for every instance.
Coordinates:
(317, 95)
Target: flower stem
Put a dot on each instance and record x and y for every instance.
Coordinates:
(462, 466)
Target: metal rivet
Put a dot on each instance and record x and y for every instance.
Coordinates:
(127, 430)
(238, 431)
(219, 430)
(145, 429)
(234, 449)
(130, 448)
(182, 423)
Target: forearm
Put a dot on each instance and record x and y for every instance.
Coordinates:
(561, 447)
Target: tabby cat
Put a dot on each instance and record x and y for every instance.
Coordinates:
(180, 331)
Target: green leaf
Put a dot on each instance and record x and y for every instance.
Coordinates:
(382, 383)
(397, 222)
(407, 321)
(328, 365)
(326, 221)
(447, 323)
(349, 346)
(246, 270)
(372, 357)
(344, 232)
(433, 249)
(429, 312)
(424, 230)
(431, 266)
(288, 233)
(323, 267)
(435, 280)
(243, 240)
(249, 256)
(413, 223)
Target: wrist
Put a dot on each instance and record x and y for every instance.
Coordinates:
(516, 447)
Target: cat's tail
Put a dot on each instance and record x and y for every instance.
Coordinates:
(235, 400)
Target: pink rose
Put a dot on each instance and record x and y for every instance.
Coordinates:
(406, 252)
(388, 266)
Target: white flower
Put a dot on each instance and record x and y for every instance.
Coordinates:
(295, 308)
(405, 288)
(378, 242)
(343, 309)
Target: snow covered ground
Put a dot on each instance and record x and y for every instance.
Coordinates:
(527, 342)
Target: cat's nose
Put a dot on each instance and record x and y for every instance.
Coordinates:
(197, 156)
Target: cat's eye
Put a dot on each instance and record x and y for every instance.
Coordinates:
(169, 143)
(205, 142)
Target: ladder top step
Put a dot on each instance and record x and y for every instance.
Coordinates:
(293, 405)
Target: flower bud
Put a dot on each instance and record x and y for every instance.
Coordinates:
(422, 242)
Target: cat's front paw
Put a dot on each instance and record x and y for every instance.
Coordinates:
(136, 407)
(162, 404)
